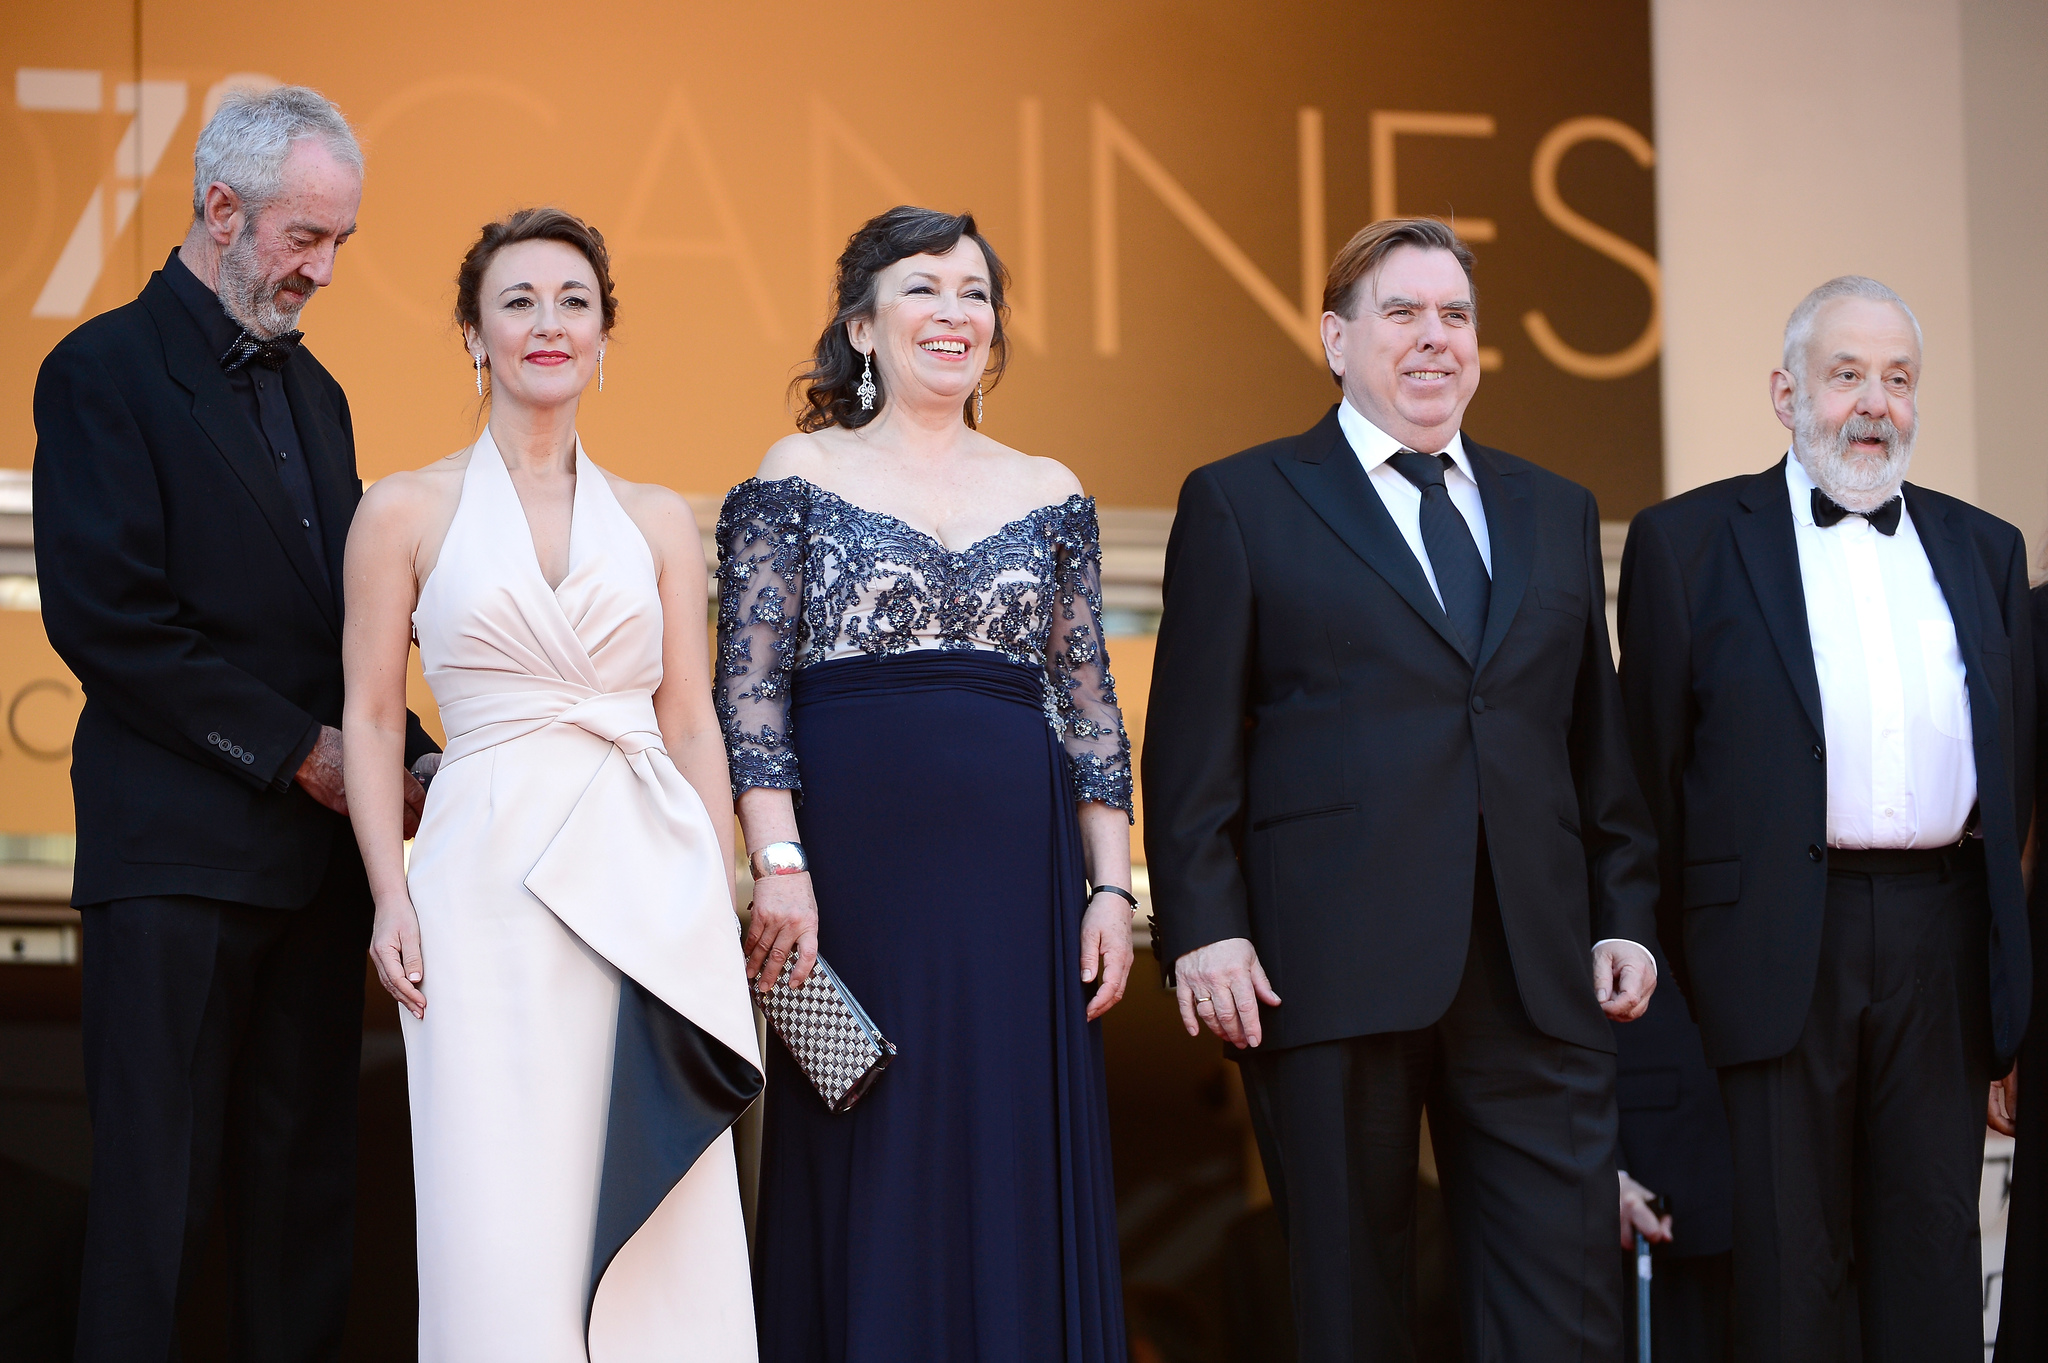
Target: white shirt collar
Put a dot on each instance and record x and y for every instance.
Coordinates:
(1374, 446)
(1801, 485)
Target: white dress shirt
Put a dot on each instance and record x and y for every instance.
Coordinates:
(1403, 499)
(1894, 699)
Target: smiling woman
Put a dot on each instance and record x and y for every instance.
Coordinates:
(568, 906)
(841, 387)
(516, 298)
(910, 637)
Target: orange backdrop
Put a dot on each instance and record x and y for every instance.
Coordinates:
(1166, 181)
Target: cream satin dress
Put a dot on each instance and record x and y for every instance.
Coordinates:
(588, 1040)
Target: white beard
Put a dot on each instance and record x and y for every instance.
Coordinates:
(1857, 482)
(247, 297)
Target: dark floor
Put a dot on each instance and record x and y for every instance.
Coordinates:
(1204, 1261)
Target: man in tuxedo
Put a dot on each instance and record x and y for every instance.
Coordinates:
(1387, 781)
(1830, 689)
(194, 480)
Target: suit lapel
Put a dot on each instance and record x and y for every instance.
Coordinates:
(1511, 536)
(1955, 573)
(1770, 554)
(1327, 474)
(216, 412)
(328, 464)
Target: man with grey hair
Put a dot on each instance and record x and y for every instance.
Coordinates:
(1829, 675)
(194, 481)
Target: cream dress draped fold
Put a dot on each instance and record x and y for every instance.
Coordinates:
(588, 1039)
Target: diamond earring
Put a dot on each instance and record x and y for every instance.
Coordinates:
(866, 391)
(977, 405)
(600, 369)
(477, 355)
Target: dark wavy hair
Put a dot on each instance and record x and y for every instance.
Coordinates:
(533, 224)
(828, 385)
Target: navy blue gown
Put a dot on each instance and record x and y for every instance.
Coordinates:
(939, 714)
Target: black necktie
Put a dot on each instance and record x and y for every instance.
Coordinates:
(1461, 578)
(1884, 519)
(271, 354)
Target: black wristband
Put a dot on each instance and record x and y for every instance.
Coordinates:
(1119, 891)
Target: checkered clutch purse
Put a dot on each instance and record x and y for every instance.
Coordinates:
(828, 1033)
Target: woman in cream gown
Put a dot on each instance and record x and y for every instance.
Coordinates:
(578, 1035)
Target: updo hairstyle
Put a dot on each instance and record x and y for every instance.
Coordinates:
(828, 385)
(533, 224)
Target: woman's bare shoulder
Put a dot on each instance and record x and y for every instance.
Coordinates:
(663, 516)
(1047, 480)
(651, 502)
(802, 455)
(415, 494)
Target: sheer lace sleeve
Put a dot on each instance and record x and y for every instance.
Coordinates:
(761, 534)
(1077, 659)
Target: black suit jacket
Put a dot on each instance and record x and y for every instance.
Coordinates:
(1724, 712)
(1318, 748)
(180, 588)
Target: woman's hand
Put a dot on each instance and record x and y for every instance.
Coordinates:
(1106, 947)
(395, 948)
(785, 925)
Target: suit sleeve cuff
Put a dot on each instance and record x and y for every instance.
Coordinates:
(289, 770)
(1637, 945)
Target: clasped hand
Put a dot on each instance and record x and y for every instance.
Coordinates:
(1624, 977)
(320, 776)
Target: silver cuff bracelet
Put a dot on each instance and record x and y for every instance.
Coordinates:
(780, 859)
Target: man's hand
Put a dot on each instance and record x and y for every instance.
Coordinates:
(415, 804)
(1624, 977)
(320, 773)
(2003, 1113)
(416, 780)
(1637, 1216)
(1221, 986)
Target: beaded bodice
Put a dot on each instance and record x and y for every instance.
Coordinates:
(805, 576)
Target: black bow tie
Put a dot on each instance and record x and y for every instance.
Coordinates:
(271, 354)
(1884, 519)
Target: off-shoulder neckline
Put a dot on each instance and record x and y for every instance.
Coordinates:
(1073, 499)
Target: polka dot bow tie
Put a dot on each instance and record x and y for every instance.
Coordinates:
(271, 354)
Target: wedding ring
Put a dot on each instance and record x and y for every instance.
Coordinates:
(1201, 998)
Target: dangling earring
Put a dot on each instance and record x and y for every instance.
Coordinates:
(600, 369)
(866, 391)
(977, 405)
(478, 357)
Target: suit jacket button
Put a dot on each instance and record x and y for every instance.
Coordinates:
(1813, 852)
(213, 738)
(1478, 705)
(248, 759)
(1818, 755)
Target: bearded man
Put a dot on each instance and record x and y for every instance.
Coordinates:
(1829, 679)
(194, 481)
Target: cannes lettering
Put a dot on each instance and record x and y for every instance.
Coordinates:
(158, 109)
